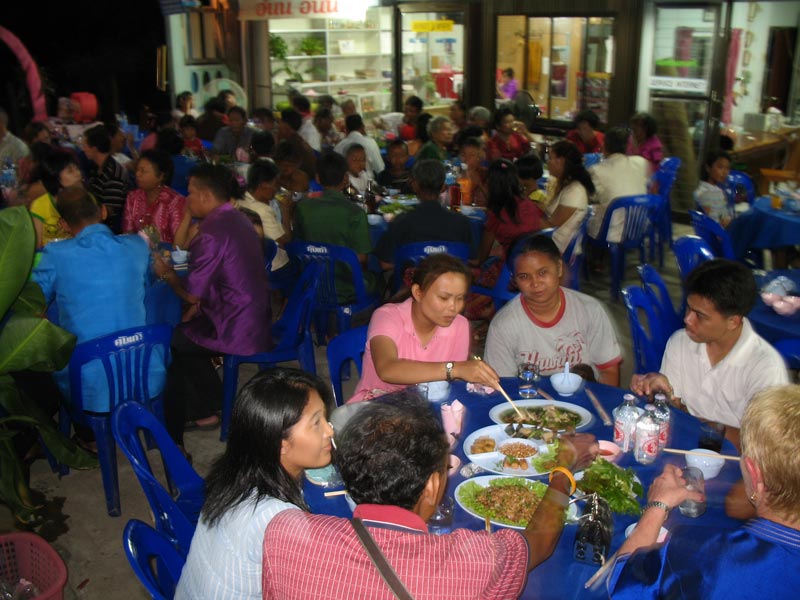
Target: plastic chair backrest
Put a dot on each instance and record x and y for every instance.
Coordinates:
(790, 351)
(328, 255)
(654, 286)
(270, 250)
(142, 545)
(409, 255)
(126, 357)
(345, 347)
(572, 259)
(648, 344)
(666, 174)
(175, 516)
(738, 179)
(295, 323)
(640, 212)
(713, 234)
(591, 159)
(690, 251)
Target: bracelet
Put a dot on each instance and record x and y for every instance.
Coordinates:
(658, 504)
(570, 476)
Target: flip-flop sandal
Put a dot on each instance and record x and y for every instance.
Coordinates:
(205, 424)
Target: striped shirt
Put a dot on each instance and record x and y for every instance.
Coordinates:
(110, 183)
(321, 557)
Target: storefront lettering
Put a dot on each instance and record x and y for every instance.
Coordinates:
(683, 84)
(288, 8)
(319, 7)
(274, 9)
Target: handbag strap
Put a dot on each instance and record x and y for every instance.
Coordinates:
(381, 563)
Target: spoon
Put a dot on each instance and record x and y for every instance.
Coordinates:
(566, 369)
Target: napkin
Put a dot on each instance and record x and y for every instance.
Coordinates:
(452, 419)
(477, 388)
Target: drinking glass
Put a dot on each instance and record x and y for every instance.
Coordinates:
(694, 481)
(441, 521)
(529, 376)
(711, 436)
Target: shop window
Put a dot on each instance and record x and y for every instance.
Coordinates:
(564, 63)
(203, 30)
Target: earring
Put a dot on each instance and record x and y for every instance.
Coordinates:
(753, 498)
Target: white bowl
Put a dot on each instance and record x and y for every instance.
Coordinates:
(469, 211)
(662, 533)
(609, 451)
(710, 465)
(374, 219)
(566, 384)
(769, 298)
(179, 256)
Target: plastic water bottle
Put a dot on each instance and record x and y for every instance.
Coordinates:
(25, 590)
(662, 413)
(625, 416)
(449, 181)
(647, 430)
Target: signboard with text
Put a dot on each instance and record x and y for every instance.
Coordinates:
(250, 10)
(679, 84)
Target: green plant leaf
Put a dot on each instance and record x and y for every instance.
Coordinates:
(14, 490)
(31, 343)
(30, 300)
(17, 244)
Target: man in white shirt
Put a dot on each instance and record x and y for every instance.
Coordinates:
(714, 366)
(308, 130)
(354, 125)
(11, 147)
(616, 176)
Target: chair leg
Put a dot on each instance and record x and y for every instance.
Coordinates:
(305, 355)
(65, 425)
(107, 455)
(617, 270)
(230, 381)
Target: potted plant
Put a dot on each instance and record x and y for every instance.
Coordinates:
(311, 46)
(279, 50)
(28, 342)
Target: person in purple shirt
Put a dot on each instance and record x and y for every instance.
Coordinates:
(227, 298)
(508, 86)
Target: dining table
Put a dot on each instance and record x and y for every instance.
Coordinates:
(561, 576)
(764, 227)
(768, 324)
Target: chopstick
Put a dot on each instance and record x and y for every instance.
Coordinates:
(601, 412)
(335, 493)
(601, 572)
(544, 394)
(677, 451)
(510, 401)
(488, 525)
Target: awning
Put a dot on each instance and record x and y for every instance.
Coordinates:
(259, 10)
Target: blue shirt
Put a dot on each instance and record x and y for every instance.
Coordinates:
(97, 281)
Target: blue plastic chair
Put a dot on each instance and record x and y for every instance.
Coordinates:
(270, 250)
(126, 357)
(176, 510)
(591, 159)
(737, 180)
(292, 334)
(712, 234)
(342, 349)
(328, 256)
(573, 259)
(690, 251)
(500, 293)
(147, 548)
(640, 214)
(654, 286)
(648, 342)
(664, 177)
(790, 351)
(409, 255)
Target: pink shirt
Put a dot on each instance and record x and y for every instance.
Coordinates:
(651, 149)
(394, 321)
(165, 213)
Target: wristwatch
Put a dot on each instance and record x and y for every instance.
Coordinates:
(658, 504)
(448, 370)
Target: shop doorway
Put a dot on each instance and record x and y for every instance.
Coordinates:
(778, 75)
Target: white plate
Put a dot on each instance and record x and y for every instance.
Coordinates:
(483, 481)
(324, 476)
(406, 200)
(493, 461)
(585, 415)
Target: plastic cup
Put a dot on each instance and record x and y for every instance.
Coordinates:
(694, 481)
(529, 376)
(711, 436)
(441, 521)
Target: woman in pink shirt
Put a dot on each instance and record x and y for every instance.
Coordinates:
(643, 141)
(424, 338)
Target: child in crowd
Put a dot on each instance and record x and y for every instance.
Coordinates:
(472, 156)
(191, 143)
(530, 170)
(709, 195)
(357, 171)
(397, 176)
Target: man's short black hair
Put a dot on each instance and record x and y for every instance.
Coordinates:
(285, 151)
(161, 161)
(354, 148)
(98, 137)
(239, 111)
(616, 140)
(170, 141)
(77, 206)
(187, 121)
(429, 175)
(529, 166)
(292, 118)
(261, 171)
(264, 113)
(301, 103)
(589, 116)
(215, 105)
(415, 101)
(397, 143)
(331, 169)
(728, 284)
(389, 449)
(218, 179)
(353, 123)
(262, 143)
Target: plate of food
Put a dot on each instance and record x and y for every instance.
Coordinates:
(507, 501)
(544, 414)
(621, 488)
(494, 449)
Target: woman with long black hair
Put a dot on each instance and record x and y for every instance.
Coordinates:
(279, 428)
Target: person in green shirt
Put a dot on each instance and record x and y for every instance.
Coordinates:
(440, 134)
(333, 219)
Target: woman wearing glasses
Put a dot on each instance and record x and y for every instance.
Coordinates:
(550, 325)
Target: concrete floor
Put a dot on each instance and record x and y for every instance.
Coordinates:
(91, 542)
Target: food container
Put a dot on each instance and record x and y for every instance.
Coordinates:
(566, 384)
(710, 465)
(26, 555)
(609, 451)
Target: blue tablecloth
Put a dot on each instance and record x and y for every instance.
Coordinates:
(764, 227)
(769, 324)
(562, 577)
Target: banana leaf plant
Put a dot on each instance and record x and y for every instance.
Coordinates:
(28, 342)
